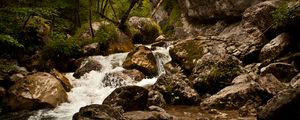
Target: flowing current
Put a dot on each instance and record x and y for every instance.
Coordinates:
(89, 89)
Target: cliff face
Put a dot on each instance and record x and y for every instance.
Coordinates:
(208, 10)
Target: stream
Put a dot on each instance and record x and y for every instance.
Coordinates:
(89, 89)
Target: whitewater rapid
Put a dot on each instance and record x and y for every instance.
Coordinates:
(89, 89)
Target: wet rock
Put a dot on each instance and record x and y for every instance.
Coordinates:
(134, 74)
(145, 30)
(295, 82)
(130, 98)
(158, 44)
(147, 115)
(63, 80)
(271, 84)
(117, 79)
(176, 90)
(282, 71)
(86, 67)
(20, 115)
(214, 10)
(95, 112)
(91, 49)
(284, 105)
(237, 95)
(254, 67)
(214, 72)
(247, 77)
(275, 47)
(156, 98)
(293, 59)
(35, 91)
(142, 59)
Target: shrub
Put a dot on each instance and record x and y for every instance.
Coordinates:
(9, 45)
(284, 15)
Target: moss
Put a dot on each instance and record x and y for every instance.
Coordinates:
(284, 15)
(7, 67)
(147, 33)
(174, 16)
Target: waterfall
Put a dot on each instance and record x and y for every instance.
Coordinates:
(89, 89)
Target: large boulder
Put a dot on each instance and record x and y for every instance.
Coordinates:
(144, 30)
(176, 90)
(214, 72)
(35, 91)
(95, 112)
(282, 71)
(284, 105)
(129, 98)
(142, 59)
(235, 96)
(214, 10)
(275, 47)
(86, 67)
(63, 79)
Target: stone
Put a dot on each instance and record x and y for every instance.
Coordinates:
(291, 59)
(282, 71)
(117, 79)
(86, 67)
(36, 91)
(91, 49)
(129, 98)
(134, 74)
(214, 72)
(145, 30)
(235, 96)
(156, 98)
(275, 47)
(142, 59)
(284, 105)
(271, 84)
(295, 82)
(172, 68)
(176, 90)
(63, 79)
(214, 10)
(95, 111)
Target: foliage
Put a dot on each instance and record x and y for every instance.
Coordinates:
(172, 7)
(9, 45)
(284, 15)
(105, 33)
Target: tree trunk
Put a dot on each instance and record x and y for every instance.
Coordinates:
(122, 25)
(90, 17)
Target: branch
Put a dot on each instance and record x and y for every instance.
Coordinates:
(156, 8)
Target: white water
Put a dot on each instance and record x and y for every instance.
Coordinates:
(89, 88)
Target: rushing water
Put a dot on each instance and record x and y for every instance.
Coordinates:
(89, 89)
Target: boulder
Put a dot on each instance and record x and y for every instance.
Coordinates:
(91, 49)
(214, 72)
(284, 105)
(156, 98)
(235, 96)
(271, 84)
(142, 59)
(94, 111)
(275, 47)
(282, 71)
(295, 82)
(63, 79)
(214, 10)
(172, 68)
(176, 90)
(36, 91)
(144, 30)
(291, 59)
(117, 79)
(147, 115)
(134, 74)
(86, 67)
(129, 98)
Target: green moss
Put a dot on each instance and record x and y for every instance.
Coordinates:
(7, 67)
(284, 15)
(172, 7)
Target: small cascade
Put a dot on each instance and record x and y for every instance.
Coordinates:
(90, 88)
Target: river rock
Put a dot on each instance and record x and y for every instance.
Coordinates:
(91, 49)
(293, 59)
(214, 10)
(95, 112)
(117, 79)
(145, 30)
(295, 82)
(236, 96)
(129, 98)
(35, 91)
(134, 74)
(176, 90)
(214, 72)
(147, 115)
(282, 71)
(142, 59)
(156, 98)
(63, 79)
(172, 68)
(275, 47)
(271, 84)
(86, 67)
(284, 105)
